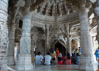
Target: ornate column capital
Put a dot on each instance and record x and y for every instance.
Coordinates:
(27, 15)
(82, 12)
(47, 26)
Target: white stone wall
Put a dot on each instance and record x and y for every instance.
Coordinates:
(3, 34)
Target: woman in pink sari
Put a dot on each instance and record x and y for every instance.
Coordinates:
(67, 59)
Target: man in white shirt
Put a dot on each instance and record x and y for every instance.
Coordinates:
(47, 59)
(38, 59)
(41, 57)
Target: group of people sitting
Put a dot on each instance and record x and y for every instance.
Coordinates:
(53, 58)
(68, 60)
(39, 59)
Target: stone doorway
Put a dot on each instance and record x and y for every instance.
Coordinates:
(61, 48)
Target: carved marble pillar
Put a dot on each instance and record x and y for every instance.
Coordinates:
(68, 45)
(18, 50)
(24, 62)
(87, 62)
(33, 45)
(78, 42)
(11, 45)
(3, 34)
(47, 38)
(97, 13)
(68, 40)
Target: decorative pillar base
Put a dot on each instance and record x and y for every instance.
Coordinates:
(3, 64)
(88, 64)
(4, 67)
(24, 62)
(10, 60)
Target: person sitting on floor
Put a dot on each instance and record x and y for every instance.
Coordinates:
(67, 59)
(60, 59)
(47, 59)
(38, 59)
(77, 59)
(53, 55)
(96, 53)
(76, 51)
(73, 59)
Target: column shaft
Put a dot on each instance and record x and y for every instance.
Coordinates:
(87, 62)
(18, 51)
(97, 13)
(24, 62)
(47, 38)
(33, 45)
(26, 35)
(3, 34)
(68, 40)
(68, 45)
(11, 45)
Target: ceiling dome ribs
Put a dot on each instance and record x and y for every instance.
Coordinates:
(62, 8)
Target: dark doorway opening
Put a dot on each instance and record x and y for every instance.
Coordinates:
(61, 48)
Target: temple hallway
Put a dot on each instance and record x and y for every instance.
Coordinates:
(50, 68)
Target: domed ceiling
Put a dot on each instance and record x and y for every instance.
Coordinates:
(61, 7)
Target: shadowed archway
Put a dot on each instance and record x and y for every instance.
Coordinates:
(61, 48)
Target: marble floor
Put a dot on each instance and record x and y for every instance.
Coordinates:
(50, 68)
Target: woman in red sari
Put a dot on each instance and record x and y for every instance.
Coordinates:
(60, 59)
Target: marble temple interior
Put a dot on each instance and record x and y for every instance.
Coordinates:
(26, 25)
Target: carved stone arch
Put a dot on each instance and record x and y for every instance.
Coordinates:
(62, 46)
(60, 41)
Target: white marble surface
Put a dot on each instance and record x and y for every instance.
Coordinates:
(24, 62)
(25, 45)
(10, 53)
(10, 60)
(25, 42)
(49, 68)
(3, 33)
(11, 45)
(87, 62)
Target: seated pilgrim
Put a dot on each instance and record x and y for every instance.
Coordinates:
(47, 59)
(38, 59)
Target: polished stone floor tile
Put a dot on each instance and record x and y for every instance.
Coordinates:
(50, 68)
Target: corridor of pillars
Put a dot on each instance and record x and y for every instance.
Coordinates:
(87, 62)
